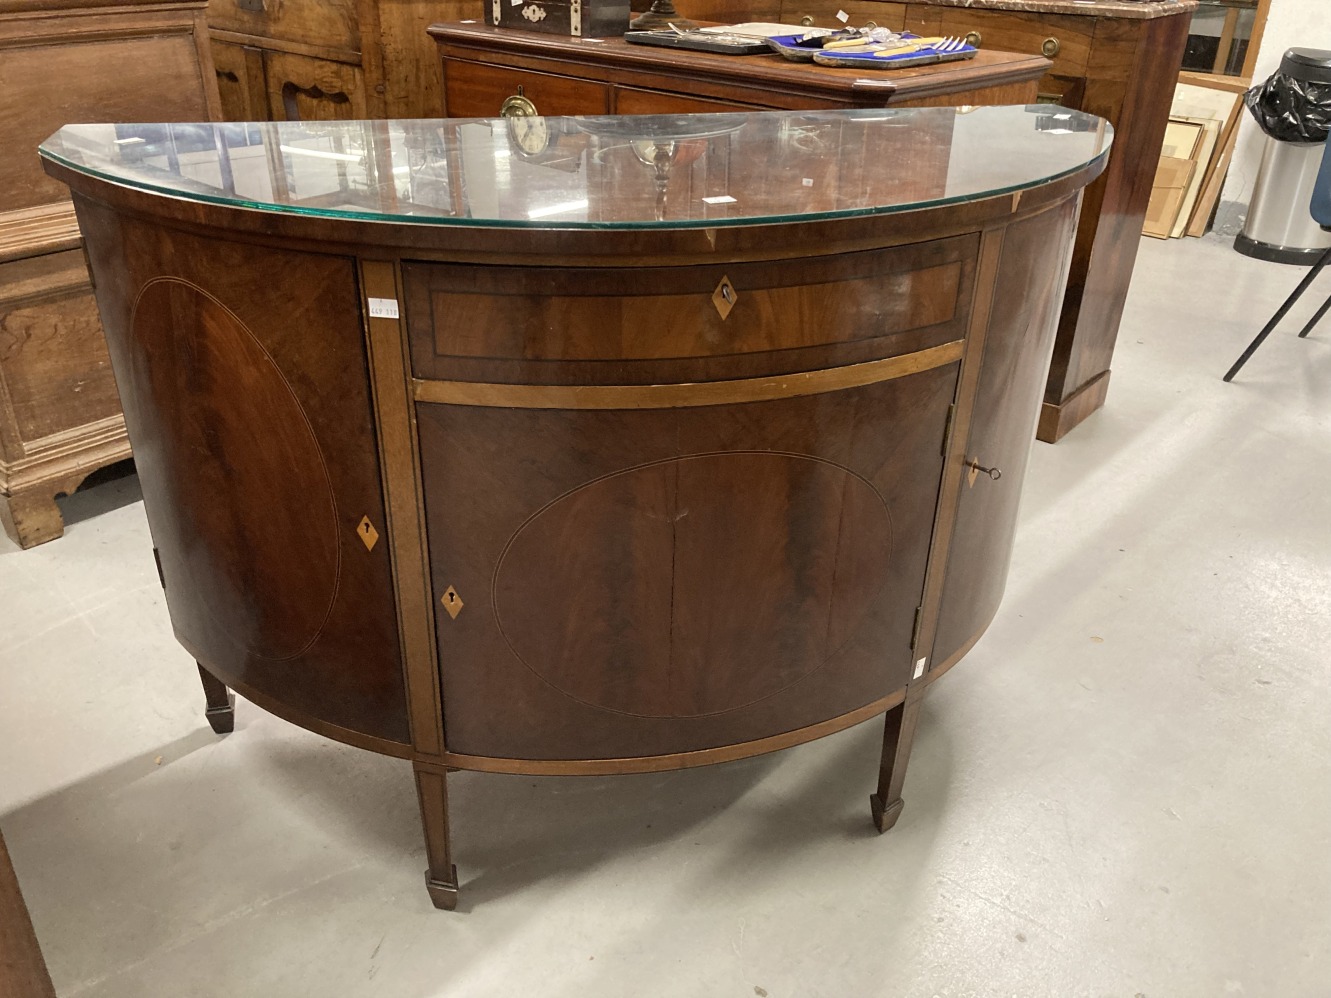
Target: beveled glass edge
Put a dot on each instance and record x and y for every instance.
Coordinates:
(432, 221)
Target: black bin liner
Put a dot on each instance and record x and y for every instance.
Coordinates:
(1294, 105)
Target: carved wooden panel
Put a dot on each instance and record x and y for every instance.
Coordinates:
(261, 534)
(642, 582)
(240, 82)
(305, 89)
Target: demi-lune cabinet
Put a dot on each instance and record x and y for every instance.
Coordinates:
(584, 445)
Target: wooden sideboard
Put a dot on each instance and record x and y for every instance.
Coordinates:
(584, 445)
(483, 66)
(86, 61)
(325, 60)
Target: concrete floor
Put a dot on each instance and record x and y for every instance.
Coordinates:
(1123, 791)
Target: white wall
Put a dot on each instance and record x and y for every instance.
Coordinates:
(1292, 24)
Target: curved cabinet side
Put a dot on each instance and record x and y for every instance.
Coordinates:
(255, 445)
(1023, 318)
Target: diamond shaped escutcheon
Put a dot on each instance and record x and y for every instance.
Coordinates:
(452, 602)
(366, 532)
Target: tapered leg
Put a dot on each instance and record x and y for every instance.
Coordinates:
(898, 733)
(221, 711)
(1280, 314)
(441, 876)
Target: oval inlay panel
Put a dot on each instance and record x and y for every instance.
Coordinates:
(262, 582)
(697, 585)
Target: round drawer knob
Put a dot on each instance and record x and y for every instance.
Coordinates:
(517, 106)
(807, 21)
(870, 25)
(1051, 48)
(974, 38)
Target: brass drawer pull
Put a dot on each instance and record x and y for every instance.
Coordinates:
(870, 25)
(807, 21)
(517, 106)
(974, 38)
(1045, 98)
(1051, 48)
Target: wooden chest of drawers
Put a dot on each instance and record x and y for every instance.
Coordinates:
(483, 66)
(92, 61)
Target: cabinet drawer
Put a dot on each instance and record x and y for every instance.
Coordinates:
(319, 23)
(629, 100)
(663, 324)
(1068, 39)
(822, 13)
(475, 90)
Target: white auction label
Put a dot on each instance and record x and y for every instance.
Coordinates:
(842, 16)
(807, 181)
(383, 308)
(719, 199)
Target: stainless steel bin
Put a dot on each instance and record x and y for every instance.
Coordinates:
(1279, 226)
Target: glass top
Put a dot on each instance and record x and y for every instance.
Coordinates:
(676, 171)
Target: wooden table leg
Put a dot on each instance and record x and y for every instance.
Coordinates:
(441, 876)
(898, 733)
(221, 710)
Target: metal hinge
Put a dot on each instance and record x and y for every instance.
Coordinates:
(915, 628)
(947, 428)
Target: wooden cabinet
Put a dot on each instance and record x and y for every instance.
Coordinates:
(328, 60)
(707, 447)
(483, 66)
(91, 61)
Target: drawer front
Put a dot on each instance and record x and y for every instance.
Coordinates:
(822, 14)
(659, 325)
(630, 100)
(53, 360)
(321, 23)
(1065, 40)
(475, 90)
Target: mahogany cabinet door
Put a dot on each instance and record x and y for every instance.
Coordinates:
(255, 444)
(1017, 349)
(639, 582)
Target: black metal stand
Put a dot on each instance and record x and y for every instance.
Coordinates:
(1283, 311)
